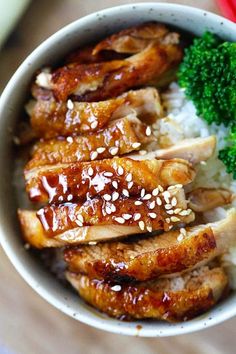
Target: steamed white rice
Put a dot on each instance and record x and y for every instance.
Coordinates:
(182, 122)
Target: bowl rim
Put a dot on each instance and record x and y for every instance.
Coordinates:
(16, 257)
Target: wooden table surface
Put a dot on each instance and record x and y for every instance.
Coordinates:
(28, 324)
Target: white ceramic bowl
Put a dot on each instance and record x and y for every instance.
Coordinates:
(76, 34)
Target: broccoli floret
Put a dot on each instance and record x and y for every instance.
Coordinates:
(228, 154)
(208, 73)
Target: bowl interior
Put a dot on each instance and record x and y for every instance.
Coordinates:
(79, 33)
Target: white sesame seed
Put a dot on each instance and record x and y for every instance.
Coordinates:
(152, 215)
(60, 198)
(174, 219)
(107, 197)
(108, 209)
(126, 216)
(183, 231)
(120, 220)
(113, 208)
(94, 155)
(70, 104)
(142, 152)
(148, 131)
(142, 194)
(137, 216)
(116, 288)
(203, 163)
(129, 177)
(115, 196)
(136, 145)
(168, 220)
(69, 139)
(130, 184)
(184, 212)
(120, 171)
(113, 150)
(115, 184)
(170, 212)
(79, 223)
(26, 246)
(125, 193)
(155, 192)
(149, 228)
(152, 205)
(170, 188)
(174, 201)
(100, 150)
(108, 174)
(161, 189)
(90, 171)
(159, 201)
(147, 197)
(85, 127)
(166, 196)
(80, 218)
(69, 197)
(180, 238)
(92, 243)
(138, 202)
(177, 210)
(94, 124)
(141, 225)
(168, 206)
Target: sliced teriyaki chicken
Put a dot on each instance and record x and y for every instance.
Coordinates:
(135, 39)
(50, 118)
(99, 81)
(171, 252)
(59, 183)
(85, 55)
(193, 150)
(119, 137)
(204, 199)
(173, 299)
(78, 222)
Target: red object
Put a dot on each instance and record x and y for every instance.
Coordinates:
(228, 8)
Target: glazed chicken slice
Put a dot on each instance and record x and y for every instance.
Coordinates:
(85, 56)
(50, 118)
(171, 299)
(59, 183)
(204, 199)
(121, 135)
(136, 215)
(171, 252)
(99, 81)
(135, 39)
(193, 150)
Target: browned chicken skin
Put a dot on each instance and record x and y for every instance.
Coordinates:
(85, 56)
(120, 135)
(134, 39)
(139, 214)
(50, 118)
(104, 80)
(162, 299)
(81, 179)
(171, 252)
